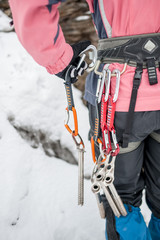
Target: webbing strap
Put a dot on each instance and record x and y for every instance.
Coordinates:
(130, 116)
(97, 122)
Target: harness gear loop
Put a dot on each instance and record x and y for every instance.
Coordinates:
(98, 63)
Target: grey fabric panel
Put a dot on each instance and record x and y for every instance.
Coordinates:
(155, 136)
(126, 38)
(139, 166)
(129, 180)
(109, 43)
(152, 175)
(144, 124)
(131, 147)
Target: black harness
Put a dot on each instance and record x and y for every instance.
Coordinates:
(140, 51)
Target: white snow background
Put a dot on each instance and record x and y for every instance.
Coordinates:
(38, 194)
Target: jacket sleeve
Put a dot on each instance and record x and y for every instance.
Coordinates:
(37, 26)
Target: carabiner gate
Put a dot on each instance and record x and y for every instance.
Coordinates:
(118, 75)
(75, 131)
(92, 56)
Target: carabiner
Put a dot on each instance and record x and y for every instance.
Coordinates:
(118, 75)
(107, 140)
(102, 85)
(115, 143)
(92, 56)
(78, 141)
(75, 131)
(105, 81)
(108, 83)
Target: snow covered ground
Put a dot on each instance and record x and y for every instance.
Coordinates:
(38, 194)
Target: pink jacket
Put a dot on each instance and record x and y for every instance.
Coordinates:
(36, 24)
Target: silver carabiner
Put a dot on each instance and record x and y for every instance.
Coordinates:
(106, 80)
(118, 74)
(108, 83)
(79, 142)
(102, 85)
(92, 56)
(115, 143)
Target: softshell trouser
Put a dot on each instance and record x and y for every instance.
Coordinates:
(137, 167)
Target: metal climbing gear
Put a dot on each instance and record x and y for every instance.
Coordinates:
(71, 108)
(103, 176)
(140, 51)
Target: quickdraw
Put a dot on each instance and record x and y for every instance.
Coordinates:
(128, 50)
(103, 177)
(71, 108)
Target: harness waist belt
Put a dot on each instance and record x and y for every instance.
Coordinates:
(140, 51)
(143, 48)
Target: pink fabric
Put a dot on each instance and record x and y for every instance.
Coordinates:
(148, 98)
(36, 28)
(130, 18)
(90, 4)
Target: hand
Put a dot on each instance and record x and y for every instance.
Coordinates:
(77, 49)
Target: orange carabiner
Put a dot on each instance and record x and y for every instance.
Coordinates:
(75, 131)
(93, 150)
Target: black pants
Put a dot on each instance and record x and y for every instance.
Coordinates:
(138, 166)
